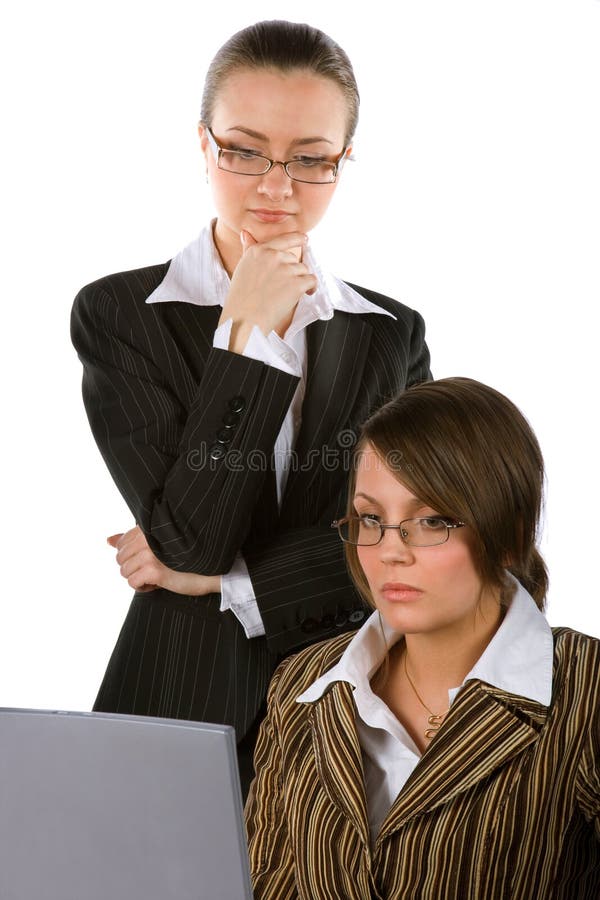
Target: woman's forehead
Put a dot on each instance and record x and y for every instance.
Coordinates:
(291, 105)
(375, 473)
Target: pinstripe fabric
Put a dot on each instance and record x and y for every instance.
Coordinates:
(155, 392)
(504, 803)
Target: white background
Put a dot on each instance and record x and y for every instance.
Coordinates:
(474, 198)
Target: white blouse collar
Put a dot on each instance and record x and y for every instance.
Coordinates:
(196, 275)
(518, 659)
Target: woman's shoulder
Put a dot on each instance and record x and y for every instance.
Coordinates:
(297, 672)
(113, 302)
(577, 669)
(572, 640)
(572, 646)
(133, 283)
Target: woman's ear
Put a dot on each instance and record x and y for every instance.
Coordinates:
(204, 145)
(203, 137)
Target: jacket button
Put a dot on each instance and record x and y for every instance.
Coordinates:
(217, 451)
(327, 622)
(225, 436)
(357, 615)
(341, 619)
(309, 626)
(237, 404)
(230, 419)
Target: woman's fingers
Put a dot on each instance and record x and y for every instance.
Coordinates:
(246, 239)
(144, 572)
(128, 543)
(144, 558)
(286, 241)
(146, 578)
(266, 285)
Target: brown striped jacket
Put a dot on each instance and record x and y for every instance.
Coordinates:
(504, 803)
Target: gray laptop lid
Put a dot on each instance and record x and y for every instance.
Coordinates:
(102, 807)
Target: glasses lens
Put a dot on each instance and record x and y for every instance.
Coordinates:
(313, 171)
(243, 163)
(424, 532)
(360, 531)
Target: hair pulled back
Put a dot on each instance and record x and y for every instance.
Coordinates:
(284, 46)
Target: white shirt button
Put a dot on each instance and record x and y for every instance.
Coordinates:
(286, 357)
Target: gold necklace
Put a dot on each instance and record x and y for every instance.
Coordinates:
(434, 721)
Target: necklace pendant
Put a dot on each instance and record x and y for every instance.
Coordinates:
(435, 723)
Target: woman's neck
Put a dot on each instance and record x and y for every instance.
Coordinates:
(229, 251)
(441, 660)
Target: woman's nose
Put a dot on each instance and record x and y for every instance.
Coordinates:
(276, 183)
(393, 549)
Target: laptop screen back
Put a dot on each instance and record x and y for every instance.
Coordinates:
(96, 806)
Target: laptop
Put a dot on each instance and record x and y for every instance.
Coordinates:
(95, 806)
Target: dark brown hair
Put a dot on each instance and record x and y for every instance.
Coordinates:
(285, 46)
(465, 450)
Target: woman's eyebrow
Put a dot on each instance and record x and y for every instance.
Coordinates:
(365, 497)
(415, 503)
(263, 137)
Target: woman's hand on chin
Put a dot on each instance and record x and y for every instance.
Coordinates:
(266, 286)
(144, 572)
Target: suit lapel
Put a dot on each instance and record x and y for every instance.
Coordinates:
(338, 754)
(484, 729)
(336, 350)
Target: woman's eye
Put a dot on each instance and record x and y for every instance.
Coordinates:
(242, 153)
(309, 161)
(369, 521)
(433, 523)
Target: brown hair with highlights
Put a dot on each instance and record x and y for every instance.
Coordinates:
(465, 449)
(285, 47)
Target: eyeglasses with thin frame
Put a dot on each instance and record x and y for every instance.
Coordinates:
(308, 169)
(367, 531)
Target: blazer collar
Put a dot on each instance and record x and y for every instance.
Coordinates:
(338, 755)
(484, 730)
(196, 275)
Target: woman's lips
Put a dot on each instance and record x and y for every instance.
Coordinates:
(396, 592)
(271, 216)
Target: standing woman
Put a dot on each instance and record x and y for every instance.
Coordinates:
(224, 389)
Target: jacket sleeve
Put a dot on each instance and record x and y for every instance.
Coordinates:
(272, 865)
(192, 500)
(588, 772)
(419, 360)
(302, 587)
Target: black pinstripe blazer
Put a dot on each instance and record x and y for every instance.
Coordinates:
(160, 400)
(503, 805)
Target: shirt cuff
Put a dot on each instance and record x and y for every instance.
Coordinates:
(237, 595)
(222, 335)
(271, 350)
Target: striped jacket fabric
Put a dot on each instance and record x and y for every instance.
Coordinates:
(158, 397)
(503, 805)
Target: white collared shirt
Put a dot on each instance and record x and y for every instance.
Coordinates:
(196, 275)
(517, 660)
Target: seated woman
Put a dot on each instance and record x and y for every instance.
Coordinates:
(451, 748)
